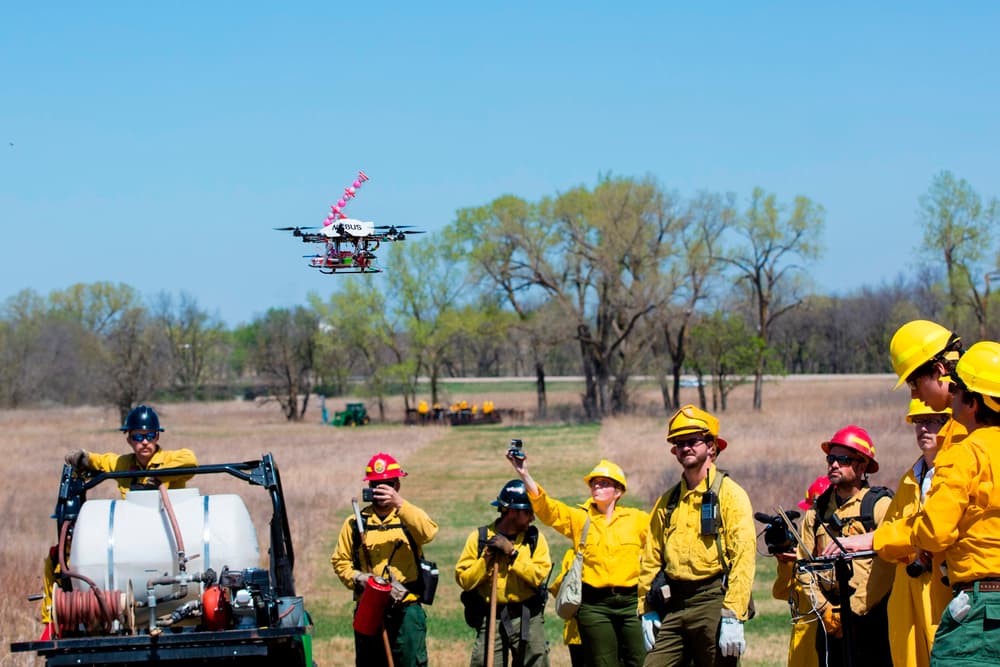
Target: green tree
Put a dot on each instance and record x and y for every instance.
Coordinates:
(772, 238)
(958, 230)
(725, 348)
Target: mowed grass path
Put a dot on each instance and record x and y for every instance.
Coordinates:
(454, 479)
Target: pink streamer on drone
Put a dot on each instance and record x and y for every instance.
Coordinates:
(351, 191)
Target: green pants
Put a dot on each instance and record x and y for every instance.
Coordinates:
(610, 631)
(974, 641)
(689, 634)
(407, 629)
(509, 649)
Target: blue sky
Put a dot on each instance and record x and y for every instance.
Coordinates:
(158, 144)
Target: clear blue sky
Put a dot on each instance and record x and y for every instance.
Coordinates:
(157, 144)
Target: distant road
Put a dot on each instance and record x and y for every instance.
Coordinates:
(687, 380)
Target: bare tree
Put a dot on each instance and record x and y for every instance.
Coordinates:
(133, 351)
(772, 239)
(284, 354)
(195, 341)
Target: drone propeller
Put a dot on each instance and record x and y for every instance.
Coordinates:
(394, 226)
(296, 231)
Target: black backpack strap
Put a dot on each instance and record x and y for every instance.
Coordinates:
(820, 505)
(673, 499)
(875, 494)
(720, 475)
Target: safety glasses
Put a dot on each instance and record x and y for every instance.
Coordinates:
(140, 437)
(840, 459)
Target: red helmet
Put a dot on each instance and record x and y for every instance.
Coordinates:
(814, 491)
(856, 438)
(382, 466)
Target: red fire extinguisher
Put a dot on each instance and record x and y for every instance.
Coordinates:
(371, 606)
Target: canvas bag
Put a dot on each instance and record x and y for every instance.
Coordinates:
(571, 589)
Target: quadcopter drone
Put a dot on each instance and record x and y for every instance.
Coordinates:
(349, 245)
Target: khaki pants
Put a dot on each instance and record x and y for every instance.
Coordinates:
(689, 634)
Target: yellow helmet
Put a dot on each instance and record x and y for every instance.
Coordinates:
(606, 468)
(979, 369)
(690, 419)
(914, 344)
(918, 407)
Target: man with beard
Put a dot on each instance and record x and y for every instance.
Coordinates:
(698, 564)
(848, 508)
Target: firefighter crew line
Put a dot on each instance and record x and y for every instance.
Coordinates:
(874, 576)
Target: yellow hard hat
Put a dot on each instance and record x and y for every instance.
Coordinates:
(606, 468)
(918, 407)
(979, 369)
(914, 344)
(690, 419)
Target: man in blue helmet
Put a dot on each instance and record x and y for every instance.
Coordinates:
(521, 556)
(142, 429)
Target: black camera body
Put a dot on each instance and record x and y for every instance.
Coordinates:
(777, 535)
(368, 494)
(516, 448)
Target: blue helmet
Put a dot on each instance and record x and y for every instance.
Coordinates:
(142, 418)
(513, 496)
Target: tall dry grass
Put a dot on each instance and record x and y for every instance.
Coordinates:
(774, 454)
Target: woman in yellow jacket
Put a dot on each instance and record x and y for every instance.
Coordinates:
(610, 628)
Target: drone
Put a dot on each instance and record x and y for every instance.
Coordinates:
(349, 245)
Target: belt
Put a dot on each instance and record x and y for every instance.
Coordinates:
(593, 593)
(987, 585)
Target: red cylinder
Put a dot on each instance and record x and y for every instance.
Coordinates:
(371, 608)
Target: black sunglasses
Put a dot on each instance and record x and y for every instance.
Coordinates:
(139, 437)
(841, 459)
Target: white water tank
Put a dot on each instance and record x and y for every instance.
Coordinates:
(115, 541)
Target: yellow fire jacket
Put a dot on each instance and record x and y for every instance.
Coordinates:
(961, 515)
(517, 579)
(383, 538)
(872, 576)
(802, 642)
(162, 458)
(681, 551)
(915, 603)
(613, 548)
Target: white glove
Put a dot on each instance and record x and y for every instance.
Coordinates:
(731, 640)
(650, 625)
(398, 592)
(959, 607)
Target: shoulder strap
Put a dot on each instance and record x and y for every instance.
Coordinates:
(720, 475)
(819, 505)
(482, 539)
(673, 498)
(874, 494)
(583, 535)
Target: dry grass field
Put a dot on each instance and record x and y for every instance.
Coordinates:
(774, 454)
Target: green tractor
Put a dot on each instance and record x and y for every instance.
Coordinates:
(354, 415)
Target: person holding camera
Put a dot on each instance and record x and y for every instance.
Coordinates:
(510, 558)
(698, 564)
(781, 544)
(610, 631)
(850, 507)
(388, 544)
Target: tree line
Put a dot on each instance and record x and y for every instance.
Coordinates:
(614, 281)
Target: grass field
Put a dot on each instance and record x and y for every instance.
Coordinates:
(454, 473)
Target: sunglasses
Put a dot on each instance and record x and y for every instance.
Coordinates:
(840, 459)
(139, 437)
(688, 442)
(929, 422)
